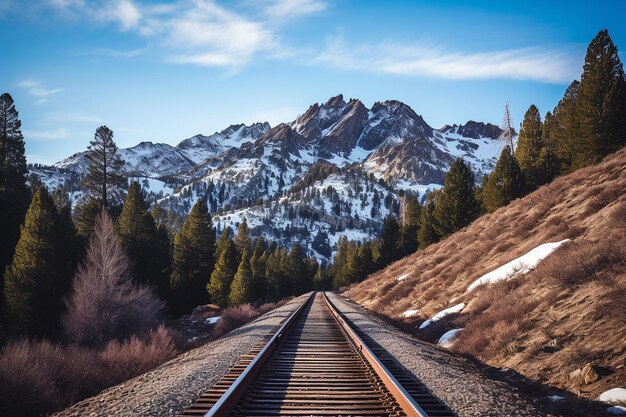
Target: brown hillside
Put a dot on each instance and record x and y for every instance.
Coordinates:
(568, 312)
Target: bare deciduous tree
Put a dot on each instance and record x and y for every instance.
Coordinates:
(507, 126)
(105, 304)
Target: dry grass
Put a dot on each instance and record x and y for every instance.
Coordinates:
(565, 313)
(39, 377)
(234, 317)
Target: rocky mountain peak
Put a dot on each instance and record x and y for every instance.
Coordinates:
(474, 130)
(336, 101)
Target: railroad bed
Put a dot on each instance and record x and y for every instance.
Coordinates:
(316, 365)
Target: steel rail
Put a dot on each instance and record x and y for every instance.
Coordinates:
(406, 402)
(230, 398)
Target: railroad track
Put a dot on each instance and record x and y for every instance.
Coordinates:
(316, 364)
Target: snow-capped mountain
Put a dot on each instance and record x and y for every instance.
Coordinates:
(320, 172)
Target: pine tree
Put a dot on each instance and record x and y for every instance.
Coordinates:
(224, 272)
(339, 263)
(242, 240)
(505, 183)
(389, 241)
(104, 178)
(456, 205)
(276, 276)
(529, 146)
(410, 224)
(427, 234)
(601, 103)
(241, 287)
(258, 264)
(85, 215)
(14, 195)
(39, 277)
(296, 271)
(549, 167)
(565, 129)
(139, 236)
(193, 260)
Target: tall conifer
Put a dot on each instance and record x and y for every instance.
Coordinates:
(505, 183)
(390, 241)
(139, 236)
(224, 272)
(565, 128)
(39, 277)
(456, 205)
(427, 233)
(104, 177)
(601, 103)
(241, 287)
(14, 195)
(529, 146)
(193, 260)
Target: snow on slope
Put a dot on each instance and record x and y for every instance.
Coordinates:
(450, 310)
(447, 339)
(519, 266)
(614, 395)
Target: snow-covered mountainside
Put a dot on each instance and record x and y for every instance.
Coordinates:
(319, 173)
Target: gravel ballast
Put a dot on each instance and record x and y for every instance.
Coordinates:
(173, 386)
(456, 381)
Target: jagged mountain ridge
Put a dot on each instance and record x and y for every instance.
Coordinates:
(243, 166)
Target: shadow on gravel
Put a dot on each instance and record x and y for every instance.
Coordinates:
(570, 406)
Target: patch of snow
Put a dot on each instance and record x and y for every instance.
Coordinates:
(519, 266)
(614, 395)
(447, 339)
(402, 277)
(213, 320)
(409, 313)
(450, 310)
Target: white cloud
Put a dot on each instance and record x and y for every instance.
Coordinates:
(35, 89)
(199, 32)
(210, 35)
(286, 9)
(125, 12)
(55, 134)
(549, 66)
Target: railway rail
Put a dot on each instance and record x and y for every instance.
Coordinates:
(317, 364)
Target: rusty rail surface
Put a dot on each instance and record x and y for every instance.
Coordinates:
(316, 365)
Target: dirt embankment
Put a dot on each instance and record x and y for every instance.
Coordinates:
(564, 323)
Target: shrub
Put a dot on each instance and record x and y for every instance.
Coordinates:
(39, 377)
(234, 317)
(105, 304)
(135, 356)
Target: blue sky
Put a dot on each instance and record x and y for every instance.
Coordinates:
(164, 71)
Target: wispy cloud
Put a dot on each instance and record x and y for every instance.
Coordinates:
(210, 35)
(35, 89)
(537, 64)
(55, 134)
(199, 32)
